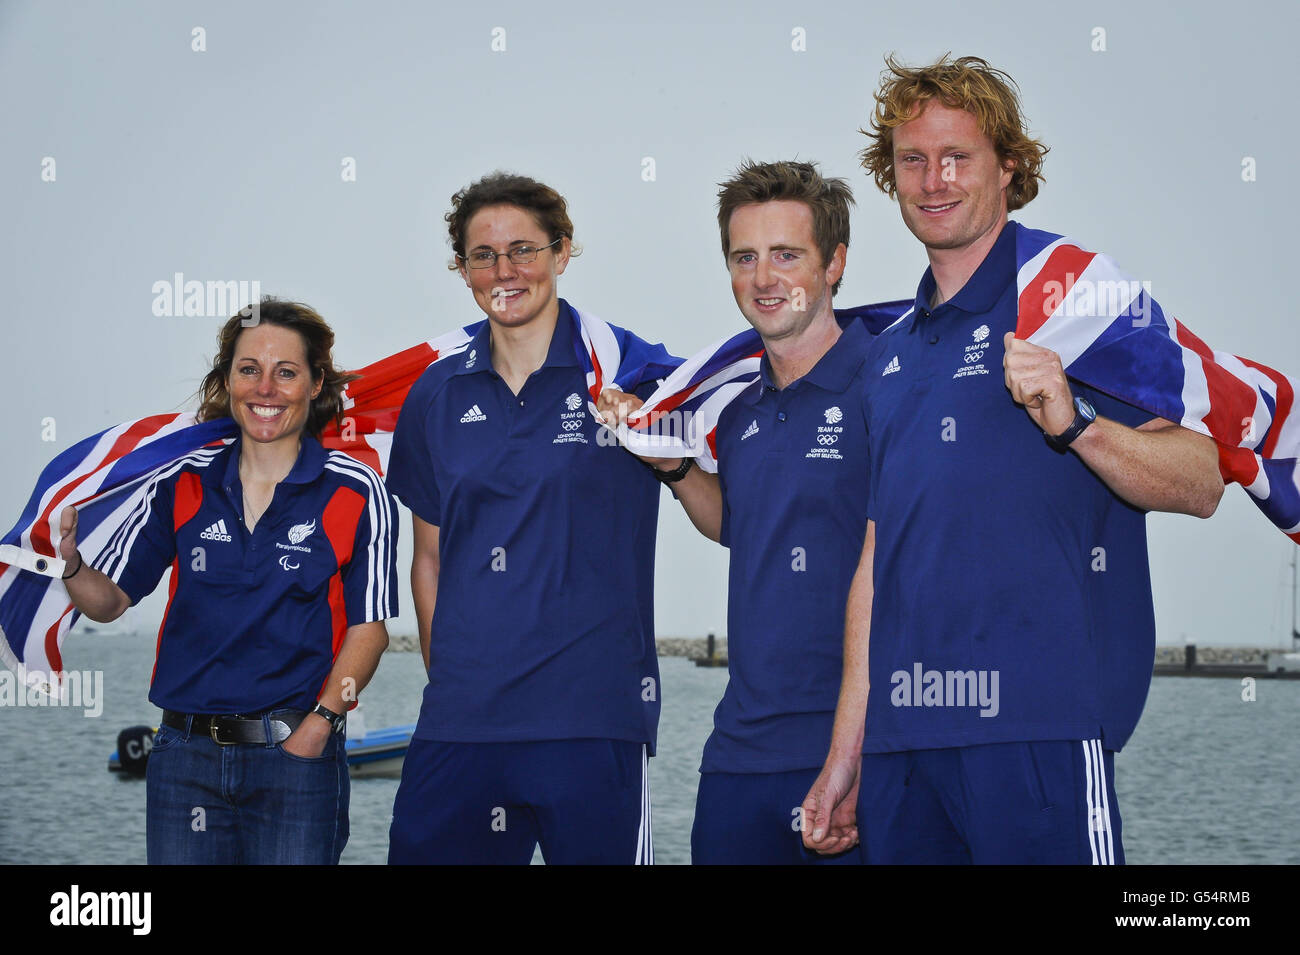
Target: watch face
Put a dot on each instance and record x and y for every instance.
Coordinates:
(1085, 408)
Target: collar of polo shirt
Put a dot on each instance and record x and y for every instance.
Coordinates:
(562, 354)
(983, 289)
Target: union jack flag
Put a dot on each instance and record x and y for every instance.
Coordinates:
(105, 477)
(1112, 335)
(681, 418)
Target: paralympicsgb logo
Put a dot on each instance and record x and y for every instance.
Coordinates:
(297, 534)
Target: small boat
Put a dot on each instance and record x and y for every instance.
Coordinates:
(379, 753)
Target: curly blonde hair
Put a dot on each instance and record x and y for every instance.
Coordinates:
(967, 83)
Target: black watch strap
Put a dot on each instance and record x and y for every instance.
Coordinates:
(675, 475)
(1084, 415)
(337, 721)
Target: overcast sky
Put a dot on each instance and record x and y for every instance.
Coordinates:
(131, 155)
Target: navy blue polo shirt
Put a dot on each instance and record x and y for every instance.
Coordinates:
(792, 464)
(254, 621)
(1012, 594)
(543, 627)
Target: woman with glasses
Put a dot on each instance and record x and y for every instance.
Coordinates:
(533, 567)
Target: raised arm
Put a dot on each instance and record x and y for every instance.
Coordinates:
(1158, 466)
(90, 591)
(698, 491)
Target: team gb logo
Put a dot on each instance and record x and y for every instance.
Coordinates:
(834, 415)
(981, 333)
(573, 402)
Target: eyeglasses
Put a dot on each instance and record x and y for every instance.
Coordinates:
(519, 255)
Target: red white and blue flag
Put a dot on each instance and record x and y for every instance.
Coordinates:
(1109, 333)
(681, 418)
(1113, 336)
(1107, 329)
(106, 476)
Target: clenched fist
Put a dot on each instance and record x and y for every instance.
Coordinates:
(1036, 379)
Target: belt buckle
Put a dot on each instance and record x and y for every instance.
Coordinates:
(212, 731)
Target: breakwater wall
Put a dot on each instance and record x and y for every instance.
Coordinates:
(694, 648)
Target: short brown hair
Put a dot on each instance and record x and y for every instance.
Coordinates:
(968, 83)
(828, 199)
(318, 342)
(507, 189)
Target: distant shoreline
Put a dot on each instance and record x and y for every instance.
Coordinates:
(694, 648)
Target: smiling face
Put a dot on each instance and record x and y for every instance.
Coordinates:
(777, 275)
(270, 385)
(951, 186)
(513, 295)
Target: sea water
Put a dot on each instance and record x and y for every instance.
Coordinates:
(1211, 775)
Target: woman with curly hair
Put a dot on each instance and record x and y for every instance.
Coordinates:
(281, 555)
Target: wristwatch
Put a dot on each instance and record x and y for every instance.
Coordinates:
(675, 475)
(1084, 415)
(337, 722)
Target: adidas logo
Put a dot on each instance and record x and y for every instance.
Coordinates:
(892, 367)
(474, 414)
(752, 429)
(217, 532)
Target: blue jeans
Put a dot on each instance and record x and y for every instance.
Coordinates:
(247, 804)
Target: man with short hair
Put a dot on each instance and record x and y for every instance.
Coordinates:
(999, 661)
(789, 502)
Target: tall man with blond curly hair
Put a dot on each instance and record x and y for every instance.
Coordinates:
(997, 670)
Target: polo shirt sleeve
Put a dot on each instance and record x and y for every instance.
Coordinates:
(410, 462)
(370, 577)
(142, 549)
(1112, 408)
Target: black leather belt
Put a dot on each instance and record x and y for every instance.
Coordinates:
(229, 730)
